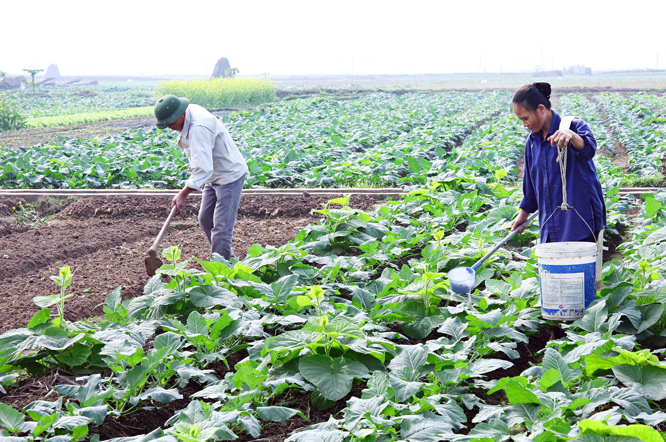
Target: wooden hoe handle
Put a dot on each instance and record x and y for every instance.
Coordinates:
(158, 240)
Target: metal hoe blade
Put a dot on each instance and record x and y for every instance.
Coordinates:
(152, 263)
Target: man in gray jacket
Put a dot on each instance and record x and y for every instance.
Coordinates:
(217, 166)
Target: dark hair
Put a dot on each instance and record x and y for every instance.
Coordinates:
(532, 95)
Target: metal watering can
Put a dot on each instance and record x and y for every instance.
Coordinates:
(463, 279)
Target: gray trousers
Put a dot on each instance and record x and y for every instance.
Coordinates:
(217, 215)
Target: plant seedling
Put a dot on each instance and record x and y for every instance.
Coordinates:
(63, 280)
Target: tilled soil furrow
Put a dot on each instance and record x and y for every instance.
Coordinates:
(104, 242)
(36, 248)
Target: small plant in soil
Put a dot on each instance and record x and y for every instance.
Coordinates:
(63, 280)
(28, 216)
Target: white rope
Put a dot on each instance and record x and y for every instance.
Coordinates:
(562, 159)
(562, 152)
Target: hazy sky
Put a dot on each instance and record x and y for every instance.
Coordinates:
(187, 37)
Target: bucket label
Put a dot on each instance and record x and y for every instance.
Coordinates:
(563, 291)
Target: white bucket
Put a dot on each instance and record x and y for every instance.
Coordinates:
(567, 272)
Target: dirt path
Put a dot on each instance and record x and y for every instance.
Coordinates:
(31, 137)
(619, 155)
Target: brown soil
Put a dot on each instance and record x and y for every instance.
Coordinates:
(104, 241)
(31, 137)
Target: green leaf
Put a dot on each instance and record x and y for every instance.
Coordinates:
(160, 395)
(44, 423)
(275, 413)
(74, 356)
(332, 376)
(282, 287)
(402, 389)
(554, 361)
(319, 401)
(378, 385)
(655, 237)
(421, 321)
(207, 296)
(488, 365)
(46, 301)
(71, 422)
(167, 342)
(650, 381)
(642, 432)
(358, 409)
(423, 429)
(652, 205)
(364, 298)
(594, 318)
(196, 324)
(136, 377)
(455, 328)
(651, 314)
(247, 377)
(10, 418)
(413, 357)
(255, 250)
(516, 390)
(113, 299)
(251, 425)
(342, 328)
(40, 317)
(57, 342)
(97, 413)
(291, 340)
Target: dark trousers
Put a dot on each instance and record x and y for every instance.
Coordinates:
(217, 215)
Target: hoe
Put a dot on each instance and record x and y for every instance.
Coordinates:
(152, 261)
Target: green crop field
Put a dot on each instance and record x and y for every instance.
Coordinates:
(375, 140)
(355, 316)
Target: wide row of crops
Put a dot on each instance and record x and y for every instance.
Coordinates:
(355, 316)
(375, 140)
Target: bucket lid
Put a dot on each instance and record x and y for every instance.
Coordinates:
(566, 249)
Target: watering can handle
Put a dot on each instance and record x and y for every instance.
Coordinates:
(504, 241)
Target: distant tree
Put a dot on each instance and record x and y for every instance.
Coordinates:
(231, 72)
(3, 74)
(32, 73)
(265, 74)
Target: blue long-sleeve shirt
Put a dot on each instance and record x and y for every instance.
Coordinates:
(542, 186)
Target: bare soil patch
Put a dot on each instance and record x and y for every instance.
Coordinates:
(105, 240)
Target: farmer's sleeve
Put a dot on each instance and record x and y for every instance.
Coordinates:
(201, 156)
(584, 131)
(529, 203)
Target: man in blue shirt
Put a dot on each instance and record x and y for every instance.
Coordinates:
(542, 182)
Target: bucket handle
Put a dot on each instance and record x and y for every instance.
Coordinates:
(564, 207)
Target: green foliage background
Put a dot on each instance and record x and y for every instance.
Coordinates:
(10, 113)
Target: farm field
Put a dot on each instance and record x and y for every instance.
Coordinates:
(337, 324)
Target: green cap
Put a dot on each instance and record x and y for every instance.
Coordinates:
(168, 110)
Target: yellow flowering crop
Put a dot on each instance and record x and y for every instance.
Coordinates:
(221, 93)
